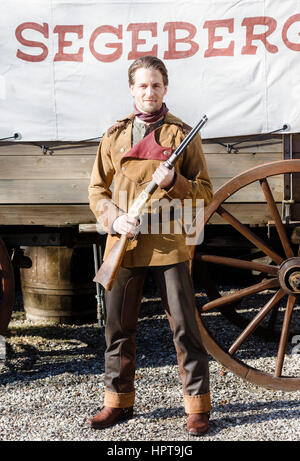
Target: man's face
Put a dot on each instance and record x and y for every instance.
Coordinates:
(148, 90)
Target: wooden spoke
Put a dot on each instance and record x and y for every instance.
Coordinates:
(256, 320)
(277, 219)
(242, 264)
(264, 285)
(249, 235)
(284, 335)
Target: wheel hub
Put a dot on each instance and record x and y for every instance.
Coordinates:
(289, 276)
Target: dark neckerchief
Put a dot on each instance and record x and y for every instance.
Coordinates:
(151, 118)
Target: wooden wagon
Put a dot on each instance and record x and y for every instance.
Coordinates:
(43, 196)
(44, 217)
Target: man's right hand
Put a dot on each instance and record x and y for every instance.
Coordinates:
(125, 225)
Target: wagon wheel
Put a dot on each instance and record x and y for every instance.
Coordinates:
(279, 290)
(231, 312)
(7, 288)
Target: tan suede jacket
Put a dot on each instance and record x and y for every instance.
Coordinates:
(116, 181)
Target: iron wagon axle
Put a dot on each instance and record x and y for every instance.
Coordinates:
(289, 276)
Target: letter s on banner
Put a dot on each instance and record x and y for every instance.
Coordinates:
(33, 26)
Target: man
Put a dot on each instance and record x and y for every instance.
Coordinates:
(132, 153)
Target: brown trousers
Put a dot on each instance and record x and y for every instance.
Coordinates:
(122, 310)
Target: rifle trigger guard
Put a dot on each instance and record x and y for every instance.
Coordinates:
(137, 230)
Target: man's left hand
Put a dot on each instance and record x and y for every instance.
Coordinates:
(163, 176)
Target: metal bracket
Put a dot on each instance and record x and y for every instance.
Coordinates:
(16, 137)
(286, 210)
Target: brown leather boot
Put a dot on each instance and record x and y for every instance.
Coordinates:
(197, 424)
(110, 416)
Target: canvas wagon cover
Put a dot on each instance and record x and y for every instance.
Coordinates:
(63, 67)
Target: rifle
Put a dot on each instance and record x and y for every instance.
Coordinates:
(110, 267)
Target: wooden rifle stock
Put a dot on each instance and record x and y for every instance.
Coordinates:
(110, 267)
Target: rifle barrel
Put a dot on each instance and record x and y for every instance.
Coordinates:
(177, 152)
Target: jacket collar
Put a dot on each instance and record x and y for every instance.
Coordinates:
(169, 119)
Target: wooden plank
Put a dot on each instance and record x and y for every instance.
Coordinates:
(87, 228)
(43, 191)
(46, 167)
(74, 191)
(253, 192)
(58, 150)
(228, 166)
(77, 167)
(65, 215)
(45, 215)
(250, 147)
(247, 213)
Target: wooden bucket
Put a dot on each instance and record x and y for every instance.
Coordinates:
(58, 288)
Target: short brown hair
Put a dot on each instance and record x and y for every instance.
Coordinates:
(147, 62)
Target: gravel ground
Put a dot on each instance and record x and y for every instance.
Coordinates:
(52, 380)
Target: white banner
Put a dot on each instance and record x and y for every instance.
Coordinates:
(63, 67)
